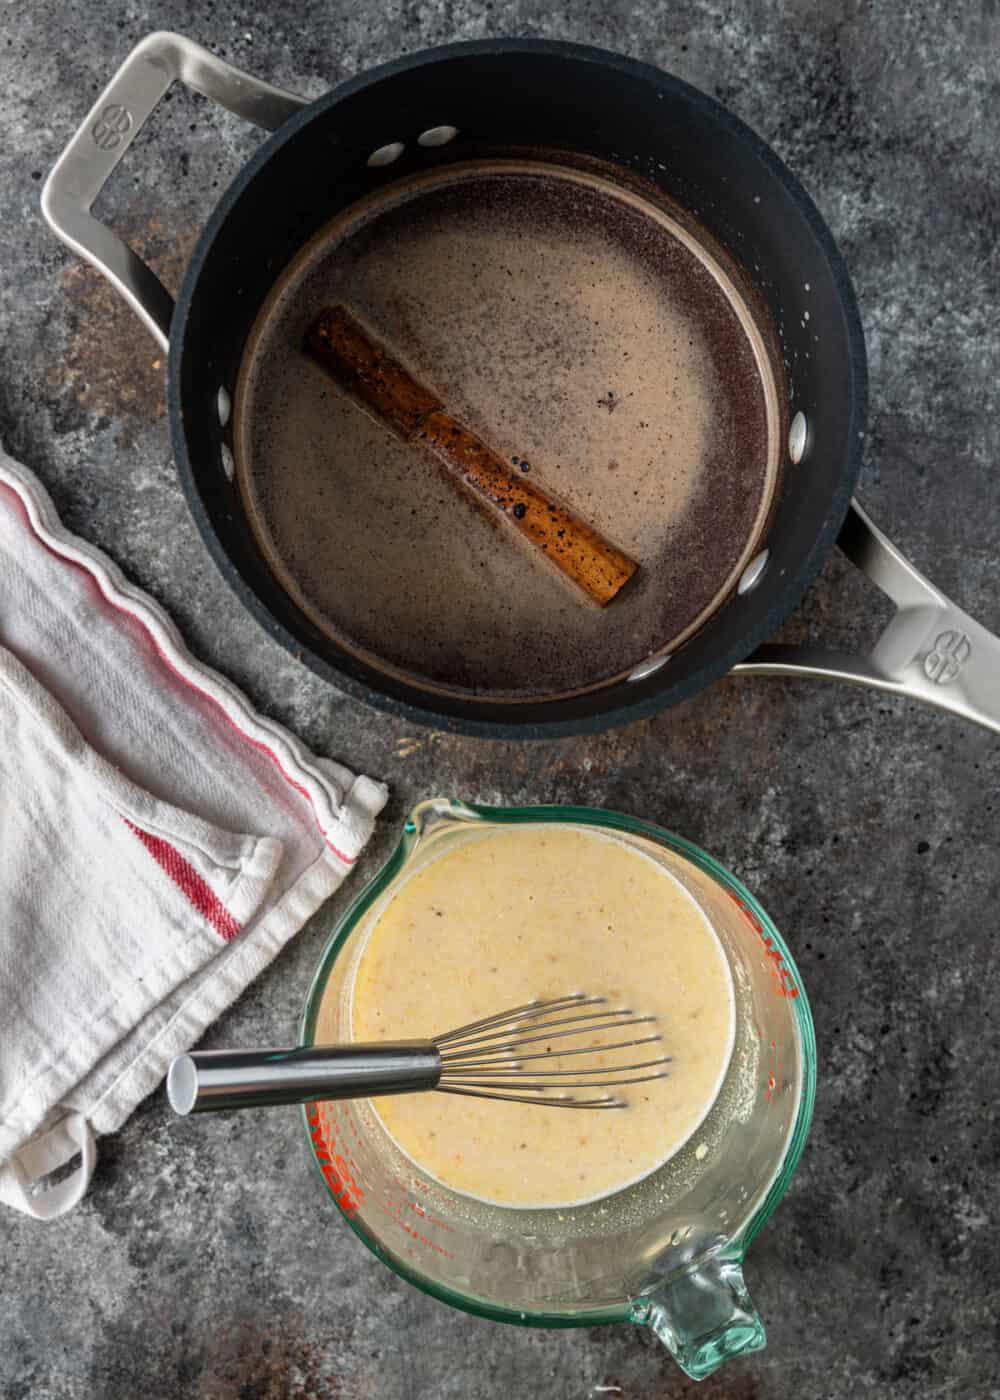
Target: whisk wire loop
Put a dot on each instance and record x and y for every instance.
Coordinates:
(484, 1058)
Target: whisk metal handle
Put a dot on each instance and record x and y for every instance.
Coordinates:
(208, 1080)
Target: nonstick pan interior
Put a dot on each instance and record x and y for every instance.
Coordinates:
(585, 333)
(607, 108)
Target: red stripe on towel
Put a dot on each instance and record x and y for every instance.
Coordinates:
(187, 879)
(91, 568)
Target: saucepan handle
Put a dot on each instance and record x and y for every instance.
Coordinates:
(106, 134)
(931, 650)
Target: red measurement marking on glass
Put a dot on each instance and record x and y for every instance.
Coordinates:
(339, 1176)
(431, 1220)
(348, 1126)
(336, 1172)
(783, 978)
(395, 1213)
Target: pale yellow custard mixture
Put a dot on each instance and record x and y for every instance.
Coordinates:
(539, 912)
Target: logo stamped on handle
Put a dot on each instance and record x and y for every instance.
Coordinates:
(112, 126)
(950, 652)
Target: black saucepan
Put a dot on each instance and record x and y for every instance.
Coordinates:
(524, 94)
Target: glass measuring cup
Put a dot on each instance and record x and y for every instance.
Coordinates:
(665, 1252)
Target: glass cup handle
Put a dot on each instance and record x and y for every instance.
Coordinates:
(931, 651)
(703, 1314)
(106, 134)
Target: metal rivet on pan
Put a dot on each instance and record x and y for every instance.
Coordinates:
(797, 435)
(228, 465)
(385, 155)
(437, 136)
(754, 572)
(224, 405)
(648, 667)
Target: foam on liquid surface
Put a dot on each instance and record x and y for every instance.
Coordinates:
(571, 327)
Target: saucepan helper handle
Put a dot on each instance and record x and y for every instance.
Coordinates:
(931, 651)
(106, 134)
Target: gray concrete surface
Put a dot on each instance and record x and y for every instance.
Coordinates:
(207, 1263)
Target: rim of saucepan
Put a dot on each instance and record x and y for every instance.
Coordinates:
(666, 694)
(590, 816)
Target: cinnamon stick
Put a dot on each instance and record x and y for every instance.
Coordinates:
(369, 372)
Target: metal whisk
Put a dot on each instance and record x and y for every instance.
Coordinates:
(497, 1057)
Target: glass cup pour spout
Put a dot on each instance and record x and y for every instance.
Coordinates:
(665, 1252)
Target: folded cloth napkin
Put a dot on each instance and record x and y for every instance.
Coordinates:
(159, 842)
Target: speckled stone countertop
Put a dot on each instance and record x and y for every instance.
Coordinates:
(208, 1264)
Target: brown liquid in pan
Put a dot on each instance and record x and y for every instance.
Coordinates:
(571, 326)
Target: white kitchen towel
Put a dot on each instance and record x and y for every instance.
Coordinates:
(159, 842)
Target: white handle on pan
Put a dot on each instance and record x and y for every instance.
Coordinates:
(106, 134)
(931, 650)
